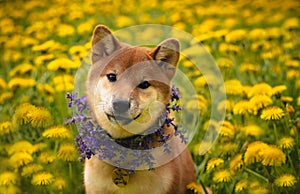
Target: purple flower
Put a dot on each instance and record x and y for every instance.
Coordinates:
(175, 93)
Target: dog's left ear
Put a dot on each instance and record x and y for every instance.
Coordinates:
(104, 43)
(167, 54)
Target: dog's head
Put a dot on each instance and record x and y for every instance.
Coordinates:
(129, 87)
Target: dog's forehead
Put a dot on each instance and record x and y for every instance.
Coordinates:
(127, 58)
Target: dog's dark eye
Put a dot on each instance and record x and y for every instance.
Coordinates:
(111, 77)
(144, 85)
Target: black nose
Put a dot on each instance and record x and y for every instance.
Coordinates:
(120, 106)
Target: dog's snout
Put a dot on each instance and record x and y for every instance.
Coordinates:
(121, 106)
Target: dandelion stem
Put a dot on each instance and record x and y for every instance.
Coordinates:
(56, 146)
(70, 170)
(203, 186)
(291, 162)
(275, 132)
(256, 174)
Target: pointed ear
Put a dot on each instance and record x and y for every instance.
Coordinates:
(167, 54)
(104, 43)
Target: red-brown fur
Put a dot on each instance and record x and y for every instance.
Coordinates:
(114, 56)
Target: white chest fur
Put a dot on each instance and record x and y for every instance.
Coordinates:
(98, 179)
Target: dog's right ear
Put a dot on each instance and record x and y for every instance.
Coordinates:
(104, 43)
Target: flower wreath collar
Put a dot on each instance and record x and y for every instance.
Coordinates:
(92, 139)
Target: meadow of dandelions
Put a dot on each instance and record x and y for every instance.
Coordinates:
(254, 43)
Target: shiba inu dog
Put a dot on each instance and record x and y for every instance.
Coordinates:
(128, 88)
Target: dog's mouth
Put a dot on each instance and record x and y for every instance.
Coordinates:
(121, 119)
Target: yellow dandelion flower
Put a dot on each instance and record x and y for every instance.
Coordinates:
(241, 108)
(292, 73)
(21, 69)
(63, 83)
(78, 51)
(292, 63)
(3, 84)
(235, 35)
(11, 189)
(40, 117)
(21, 114)
(46, 157)
(289, 45)
(6, 127)
(272, 156)
(202, 148)
(213, 163)
(225, 105)
(200, 82)
(195, 104)
(261, 45)
(259, 101)
(67, 152)
(42, 178)
(259, 190)
(285, 180)
(224, 62)
(19, 82)
(123, 21)
(86, 27)
(278, 89)
(227, 124)
(45, 89)
(64, 30)
(222, 176)
(236, 162)
(8, 178)
(196, 188)
(241, 185)
(29, 42)
(25, 99)
(298, 101)
(249, 67)
(60, 183)
(286, 99)
(252, 152)
(40, 60)
(187, 63)
(200, 102)
(254, 184)
(63, 87)
(273, 32)
(21, 146)
(289, 109)
(260, 89)
(30, 169)
(286, 142)
(252, 130)
(246, 88)
(20, 159)
(62, 63)
(58, 132)
(5, 96)
(228, 148)
(227, 132)
(88, 45)
(272, 113)
(291, 23)
(39, 146)
(233, 87)
(257, 34)
(48, 45)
